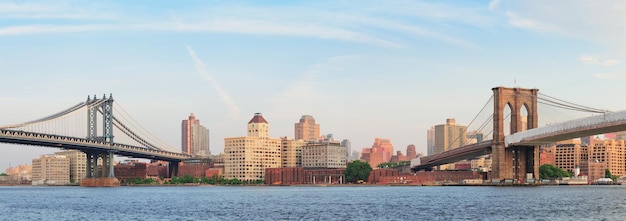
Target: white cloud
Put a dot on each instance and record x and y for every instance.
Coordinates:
(611, 76)
(594, 59)
(601, 22)
(58, 10)
(589, 59)
(521, 22)
(610, 62)
(205, 74)
(493, 4)
(399, 21)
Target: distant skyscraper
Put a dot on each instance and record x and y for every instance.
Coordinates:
(307, 129)
(346, 143)
(410, 151)
(430, 141)
(448, 136)
(195, 137)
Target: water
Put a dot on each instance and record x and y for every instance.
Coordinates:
(314, 203)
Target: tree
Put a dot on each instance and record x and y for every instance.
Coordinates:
(357, 170)
(4, 174)
(549, 171)
(607, 174)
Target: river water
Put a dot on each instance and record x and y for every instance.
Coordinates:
(314, 203)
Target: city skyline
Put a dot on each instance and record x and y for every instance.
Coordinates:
(362, 69)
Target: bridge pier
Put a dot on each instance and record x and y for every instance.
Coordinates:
(100, 177)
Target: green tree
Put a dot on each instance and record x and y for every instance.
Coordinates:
(4, 174)
(357, 170)
(549, 171)
(607, 174)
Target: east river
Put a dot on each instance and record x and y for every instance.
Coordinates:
(313, 203)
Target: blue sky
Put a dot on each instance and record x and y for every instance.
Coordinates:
(363, 69)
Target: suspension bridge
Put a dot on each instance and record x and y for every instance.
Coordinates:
(515, 149)
(77, 128)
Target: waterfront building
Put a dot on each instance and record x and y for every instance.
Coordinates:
(292, 152)
(546, 156)
(195, 137)
(51, 170)
(307, 129)
(78, 164)
(610, 152)
(481, 164)
(325, 154)
(21, 174)
(569, 154)
(247, 157)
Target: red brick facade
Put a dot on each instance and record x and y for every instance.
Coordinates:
(298, 175)
(422, 178)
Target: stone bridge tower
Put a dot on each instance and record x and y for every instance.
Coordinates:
(514, 162)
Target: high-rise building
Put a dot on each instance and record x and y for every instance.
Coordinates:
(307, 129)
(195, 137)
(430, 141)
(51, 170)
(610, 152)
(78, 164)
(570, 154)
(324, 154)
(449, 136)
(292, 152)
(348, 145)
(381, 152)
(474, 137)
(246, 158)
(410, 151)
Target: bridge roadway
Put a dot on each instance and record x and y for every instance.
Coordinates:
(56, 141)
(455, 155)
(583, 127)
(588, 126)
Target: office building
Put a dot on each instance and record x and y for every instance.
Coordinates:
(292, 152)
(324, 154)
(78, 164)
(246, 158)
(307, 129)
(51, 170)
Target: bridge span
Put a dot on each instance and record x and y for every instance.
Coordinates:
(77, 128)
(516, 155)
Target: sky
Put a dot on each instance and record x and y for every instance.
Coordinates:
(362, 69)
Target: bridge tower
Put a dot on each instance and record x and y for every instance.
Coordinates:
(514, 162)
(105, 108)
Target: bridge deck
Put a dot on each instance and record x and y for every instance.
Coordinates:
(455, 155)
(588, 126)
